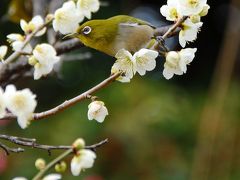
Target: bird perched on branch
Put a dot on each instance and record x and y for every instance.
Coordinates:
(118, 32)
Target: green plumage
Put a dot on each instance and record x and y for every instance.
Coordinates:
(111, 35)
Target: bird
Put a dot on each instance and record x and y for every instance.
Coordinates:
(116, 33)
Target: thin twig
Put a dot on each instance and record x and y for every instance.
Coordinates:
(65, 154)
(52, 163)
(76, 99)
(32, 144)
(171, 30)
(9, 150)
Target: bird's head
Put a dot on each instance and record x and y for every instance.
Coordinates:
(97, 34)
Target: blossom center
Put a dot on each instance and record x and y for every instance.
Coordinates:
(193, 3)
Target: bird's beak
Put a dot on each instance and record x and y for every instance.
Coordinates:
(71, 35)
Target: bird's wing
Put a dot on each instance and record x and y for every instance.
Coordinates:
(135, 24)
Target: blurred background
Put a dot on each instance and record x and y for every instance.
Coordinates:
(184, 128)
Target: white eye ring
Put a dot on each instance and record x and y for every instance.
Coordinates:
(86, 30)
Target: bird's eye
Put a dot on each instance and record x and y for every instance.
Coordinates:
(86, 30)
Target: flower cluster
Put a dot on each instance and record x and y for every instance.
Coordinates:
(128, 64)
(68, 17)
(20, 103)
(191, 11)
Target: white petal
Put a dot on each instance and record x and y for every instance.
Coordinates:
(187, 9)
(3, 51)
(2, 104)
(182, 40)
(76, 165)
(15, 37)
(19, 178)
(52, 177)
(87, 6)
(23, 24)
(23, 121)
(87, 158)
(37, 21)
(167, 73)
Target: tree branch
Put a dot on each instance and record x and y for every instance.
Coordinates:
(9, 150)
(27, 142)
(174, 27)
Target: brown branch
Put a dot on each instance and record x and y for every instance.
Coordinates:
(71, 102)
(32, 144)
(76, 99)
(68, 45)
(172, 29)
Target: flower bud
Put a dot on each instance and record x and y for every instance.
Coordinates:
(40, 164)
(49, 17)
(61, 167)
(172, 58)
(79, 144)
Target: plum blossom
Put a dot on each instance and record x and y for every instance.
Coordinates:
(189, 32)
(43, 59)
(67, 18)
(86, 7)
(21, 103)
(142, 61)
(145, 60)
(97, 110)
(35, 23)
(124, 63)
(83, 159)
(170, 11)
(176, 62)
(17, 43)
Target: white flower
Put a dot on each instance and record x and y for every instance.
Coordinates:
(45, 57)
(186, 57)
(52, 177)
(142, 61)
(170, 11)
(3, 52)
(97, 110)
(83, 160)
(145, 60)
(176, 62)
(191, 7)
(67, 18)
(2, 104)
(124, 63)
(189, 31)
(21, 103)
(34, 24)
(17, 42)
(86, 7)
